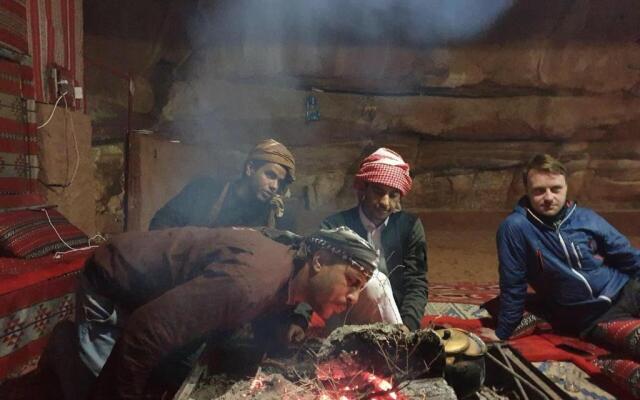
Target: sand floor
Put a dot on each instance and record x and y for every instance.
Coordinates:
(461, 245)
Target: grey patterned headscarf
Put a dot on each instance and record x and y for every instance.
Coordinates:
(345, 244)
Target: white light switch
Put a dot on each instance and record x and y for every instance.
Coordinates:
(77, 92)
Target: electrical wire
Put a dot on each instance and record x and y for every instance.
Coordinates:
(71, 249)
(55, 230)
(73, 134)
(53, 111)
(75, 142)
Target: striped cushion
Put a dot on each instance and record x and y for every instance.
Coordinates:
(624, 373)
(28, 233)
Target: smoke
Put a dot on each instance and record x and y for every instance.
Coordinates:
(288, 39)
(425, 22)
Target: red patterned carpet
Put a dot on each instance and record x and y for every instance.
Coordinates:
(463, 293)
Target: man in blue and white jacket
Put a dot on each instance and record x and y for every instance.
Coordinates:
(582, 269)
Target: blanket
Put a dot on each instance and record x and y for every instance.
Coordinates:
(457, 305)
(34, 296)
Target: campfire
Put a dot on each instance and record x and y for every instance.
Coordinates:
(374, 362)
(268, 386)
(377, 362)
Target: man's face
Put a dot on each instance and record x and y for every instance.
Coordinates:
(379, 201)
(547, 192)
(334, 288)
(267, 180)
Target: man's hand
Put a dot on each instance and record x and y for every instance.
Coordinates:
(405, 329)
(488, 335)
(295, 334)
(277, 204)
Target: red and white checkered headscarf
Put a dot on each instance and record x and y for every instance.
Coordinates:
(386, 167)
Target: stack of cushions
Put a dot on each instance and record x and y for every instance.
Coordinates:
(30, 234)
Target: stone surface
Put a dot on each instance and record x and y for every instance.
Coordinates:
(558, 77)
(109, 193)
(271, 387)
(433, 389)
(447, 175)
(531, 66)
(323, 189)
(534, 117)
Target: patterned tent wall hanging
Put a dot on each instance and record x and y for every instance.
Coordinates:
(54, 37)
(18, 140)
(13, 26)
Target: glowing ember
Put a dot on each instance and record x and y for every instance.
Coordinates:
(360, 383)
(257, 384)
(340, 379)
(377, 387)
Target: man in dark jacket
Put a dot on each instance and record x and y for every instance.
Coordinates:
(146, 296)
(582, 269)
(255, 199)
(398, 236)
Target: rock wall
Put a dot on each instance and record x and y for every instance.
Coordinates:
(466, 118)
(555, 76)
(140, 40)
(109, 187)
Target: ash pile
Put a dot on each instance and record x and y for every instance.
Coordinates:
(375, 361)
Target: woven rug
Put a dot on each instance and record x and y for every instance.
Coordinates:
(464, 293)
(458, 310)
(460, 300)
(557, 371)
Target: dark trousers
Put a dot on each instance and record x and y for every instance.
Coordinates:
(61, 357)
(619, 327)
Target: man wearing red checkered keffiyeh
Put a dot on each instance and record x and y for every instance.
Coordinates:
(398, 294)
(384, 167)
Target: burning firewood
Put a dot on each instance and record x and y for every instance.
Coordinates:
(384, 350)
(365, 362)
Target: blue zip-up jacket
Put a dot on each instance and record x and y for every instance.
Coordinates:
(577, 266)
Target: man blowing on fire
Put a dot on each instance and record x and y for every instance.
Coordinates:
(583, 270)
(255, 199)
(146, 296)
(398, 237)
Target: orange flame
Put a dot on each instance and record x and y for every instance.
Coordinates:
(360, 383)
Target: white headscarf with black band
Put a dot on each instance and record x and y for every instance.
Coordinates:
(345, 244)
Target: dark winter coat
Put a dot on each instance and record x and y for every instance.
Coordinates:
(577, 267)
(193, 207)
